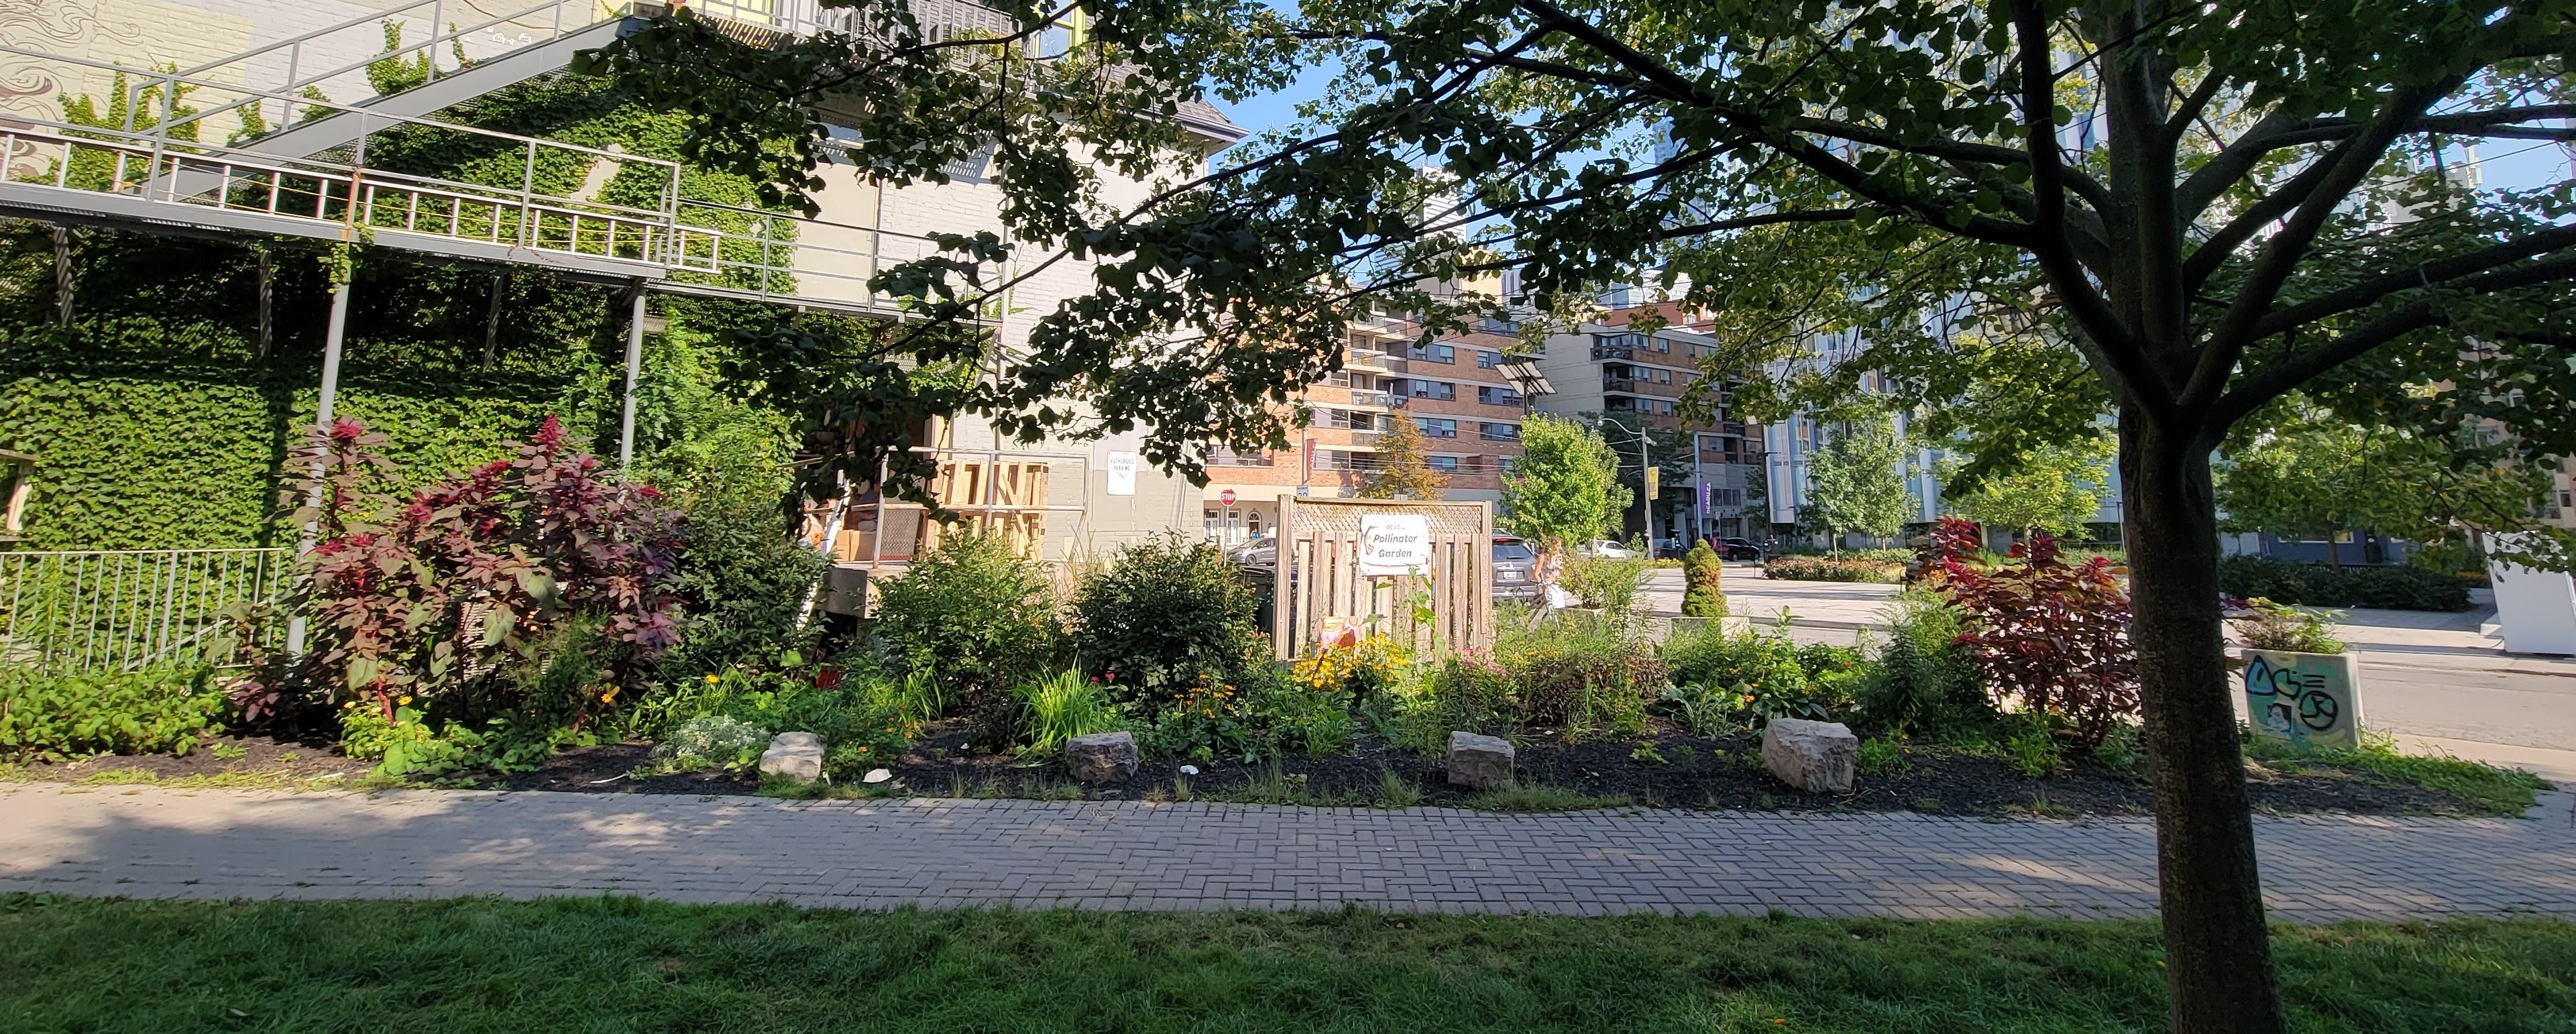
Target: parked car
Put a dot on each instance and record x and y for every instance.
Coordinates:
(1514, 564)
(1736, 549)
(1606, 549)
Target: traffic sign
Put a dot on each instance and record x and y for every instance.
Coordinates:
(1226, 497)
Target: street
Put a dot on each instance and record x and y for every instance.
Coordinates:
(2434, 680)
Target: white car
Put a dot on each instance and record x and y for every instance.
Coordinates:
(1607, 549)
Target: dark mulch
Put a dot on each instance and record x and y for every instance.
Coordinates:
(1696, 773)
(238, 758)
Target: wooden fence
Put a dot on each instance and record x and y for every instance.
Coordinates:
(1319, 589)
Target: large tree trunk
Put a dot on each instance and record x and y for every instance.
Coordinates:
(2218, 955)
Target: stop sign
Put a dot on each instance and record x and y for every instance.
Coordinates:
(1226, 497)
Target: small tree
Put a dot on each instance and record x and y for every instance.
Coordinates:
(2304, 473)
(1407, 474)
(2053, 488)
(1567, 487)
(1703, 583)
(1853, 485)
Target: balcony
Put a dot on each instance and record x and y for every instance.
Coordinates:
(1373, 399)
(1619, 352)
(1371, 359)
(1223, 458)
(1367, 439)
(1628, 385)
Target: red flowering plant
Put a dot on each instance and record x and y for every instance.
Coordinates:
(462, 588)
(2046, 635)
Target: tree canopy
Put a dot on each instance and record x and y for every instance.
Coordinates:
(1566, 488)
(2055, 487)
(1855, 485)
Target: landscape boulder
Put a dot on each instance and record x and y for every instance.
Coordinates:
(1101, 757)
(1479, 762)
(794, 755)
(1816, 757)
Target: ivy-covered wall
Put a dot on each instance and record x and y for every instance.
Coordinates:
(157, 422)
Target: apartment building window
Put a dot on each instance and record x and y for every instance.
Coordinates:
(1663, 376)
(1501, 432)
(1507, 464)
(1422, 389)
(1496, 396)
(1487, 359)
(1435, 353)
(1444, 464)
(1436, 427)
(1663, 344)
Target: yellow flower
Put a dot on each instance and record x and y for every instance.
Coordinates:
(712, 680)
(402, 700)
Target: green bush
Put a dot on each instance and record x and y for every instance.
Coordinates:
(2314, 585)
(977, 620)
(1703, 583)
(50, 717)
(1921, 681)
(1589, 678)
(1165, 614)
(1726, 681)
(1607, 583)
(1828, 569)
(853, 714)
(1297, 717)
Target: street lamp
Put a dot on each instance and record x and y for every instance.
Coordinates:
(1645, 479)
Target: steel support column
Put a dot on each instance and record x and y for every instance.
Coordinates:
(62, 275)
(332, 338)
(634, 372)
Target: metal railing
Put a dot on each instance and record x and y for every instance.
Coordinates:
(692, 245)
(335, 57)
(126, 609)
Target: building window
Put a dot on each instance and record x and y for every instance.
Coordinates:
(1431, 389)
(1487, 359)
(1435, 353)
(1436, 427)
(1444, 464)
(1663, 376)
(1663, 344)
(1507, 464)
(1501, 432)
(1494, 396)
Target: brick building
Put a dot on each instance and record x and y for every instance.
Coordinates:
(1636, 380)
(1468, 413)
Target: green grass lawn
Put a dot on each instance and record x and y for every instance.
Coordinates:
(623, 964)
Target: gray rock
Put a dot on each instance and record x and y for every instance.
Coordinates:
(794, 755)
(1102, 757)
(1479, 762)
(1816, 757)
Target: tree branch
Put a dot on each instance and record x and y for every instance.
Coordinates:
(2112, 343)
(2435, 273)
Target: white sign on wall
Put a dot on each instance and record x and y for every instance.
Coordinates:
(1122, 473)
(1394, 543)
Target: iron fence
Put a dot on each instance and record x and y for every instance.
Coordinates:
(118, 610)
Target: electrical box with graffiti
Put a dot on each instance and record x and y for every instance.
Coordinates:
(2309, 699)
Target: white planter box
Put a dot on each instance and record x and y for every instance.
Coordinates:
(2535, 610)
(2307, 699)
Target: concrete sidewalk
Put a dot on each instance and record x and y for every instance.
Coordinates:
(1135, 855)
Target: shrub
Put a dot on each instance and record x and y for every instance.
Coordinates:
(1607, 583)
(1828, 569)
(50, 717)
(1586, 677)
(1357, 671)
(2265, 625)
(1922, 680)
(1206, 721)
(1703, 583)
(976, 620)
(465, 595)
(1472, 693)
(1725, 681)
(1163, 615)
(1880, 755)
(1061, 708)
(2313, 585)
(2048, 636)
(711, 741)
(852, 716)
(1297, 718)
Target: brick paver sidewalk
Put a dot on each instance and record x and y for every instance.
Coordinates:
(873, 854)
